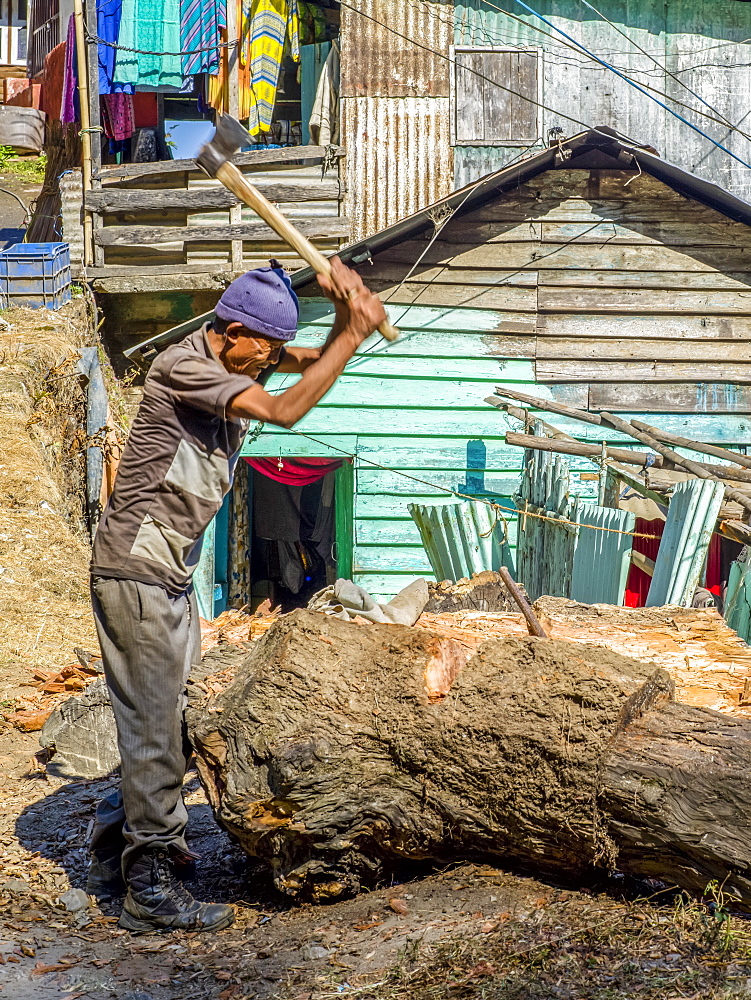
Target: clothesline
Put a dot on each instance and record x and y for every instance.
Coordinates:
(147, 52)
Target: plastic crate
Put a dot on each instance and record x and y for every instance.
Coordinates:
(35, 275)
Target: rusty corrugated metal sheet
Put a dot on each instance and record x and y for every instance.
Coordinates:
(378, 57)
(398, 158)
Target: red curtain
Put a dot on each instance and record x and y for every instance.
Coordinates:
(294, 471)
(637, 584)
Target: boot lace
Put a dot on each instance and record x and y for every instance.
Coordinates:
(163, 876)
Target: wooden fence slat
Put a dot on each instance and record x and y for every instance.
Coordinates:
(262, 158)
(113, 199)
(328, 227)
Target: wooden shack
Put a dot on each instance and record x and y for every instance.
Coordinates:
(594, 273)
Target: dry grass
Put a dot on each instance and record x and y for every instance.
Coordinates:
(606, 950)
(44, 551)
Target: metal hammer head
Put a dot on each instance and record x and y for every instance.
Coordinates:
(230, 135)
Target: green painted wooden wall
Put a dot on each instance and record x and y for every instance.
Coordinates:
(417, 407)
(598, 288)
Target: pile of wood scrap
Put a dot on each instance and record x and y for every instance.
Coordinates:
(734, 472)
(73, 678)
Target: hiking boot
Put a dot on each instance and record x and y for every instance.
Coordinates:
(158, 901)
(105, 879)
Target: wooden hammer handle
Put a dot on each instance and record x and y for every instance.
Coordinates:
(237, 183)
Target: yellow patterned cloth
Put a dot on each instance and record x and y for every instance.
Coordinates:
(264, 25)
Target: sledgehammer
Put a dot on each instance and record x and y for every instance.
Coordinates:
(215, 159)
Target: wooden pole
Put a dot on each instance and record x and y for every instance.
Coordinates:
(698, 469)
(620, 455)
(533, 622)
(233, 97)
(83, 94)
(95, 141)
(551, 406)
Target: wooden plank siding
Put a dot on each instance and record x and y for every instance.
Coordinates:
(650, 321)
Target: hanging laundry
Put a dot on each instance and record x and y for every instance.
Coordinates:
(324, 120)
(108, 16)
(201, 22)
(70, 108)
(52, 82)
(117, 116)
(149, 26)
(269, 23)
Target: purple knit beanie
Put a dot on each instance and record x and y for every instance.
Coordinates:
(262, 300)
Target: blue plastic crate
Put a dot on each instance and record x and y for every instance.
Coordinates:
(36, 275)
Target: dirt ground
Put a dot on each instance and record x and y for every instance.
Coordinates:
(12, 214)
(472, 930)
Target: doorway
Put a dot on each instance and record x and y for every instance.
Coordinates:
(300, 528)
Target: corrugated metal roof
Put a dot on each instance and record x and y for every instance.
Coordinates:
(601, 558)
(379, 57)
(398, 158)
(460, 538)
(692, 514)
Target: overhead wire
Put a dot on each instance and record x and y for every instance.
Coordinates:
(663, 68)
(628, 80)
(494, 38)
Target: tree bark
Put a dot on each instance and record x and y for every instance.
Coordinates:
(341, 749)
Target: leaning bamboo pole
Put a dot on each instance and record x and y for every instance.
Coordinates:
(563, 410)
(83, 96)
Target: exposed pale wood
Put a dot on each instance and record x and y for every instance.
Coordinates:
(112, 199)
(251, 231)
(643, 371)
(642, 562)
(705, 397)
(262, 158)
(637, 349)
(737, 531)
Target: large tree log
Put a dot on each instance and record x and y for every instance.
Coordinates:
(340, 749)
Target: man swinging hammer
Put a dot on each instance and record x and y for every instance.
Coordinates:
(175, 471)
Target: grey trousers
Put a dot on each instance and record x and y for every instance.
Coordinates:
(149, 641)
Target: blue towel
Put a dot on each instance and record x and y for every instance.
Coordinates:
(108, 14)
(153, 26)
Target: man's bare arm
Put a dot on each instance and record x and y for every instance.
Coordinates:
(359, 313)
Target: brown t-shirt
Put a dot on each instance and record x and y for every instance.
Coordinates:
(177, 467)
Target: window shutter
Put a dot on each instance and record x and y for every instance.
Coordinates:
(485, 114)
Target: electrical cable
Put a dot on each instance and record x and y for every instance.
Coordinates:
(23, 205)
(658, 64)
(630, 82)
(495, 38)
